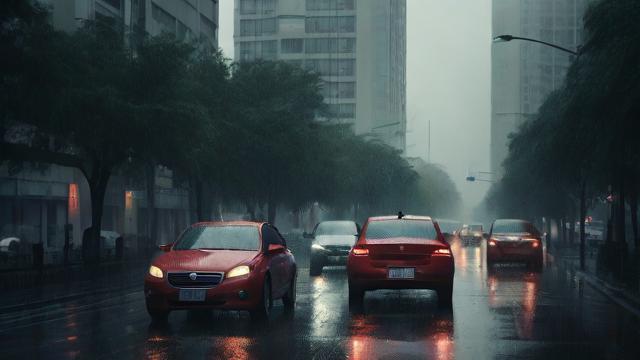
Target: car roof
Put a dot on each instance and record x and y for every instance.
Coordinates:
(230, 223)
(395, 217)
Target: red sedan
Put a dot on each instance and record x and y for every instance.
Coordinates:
(222, 265)
(400, 252)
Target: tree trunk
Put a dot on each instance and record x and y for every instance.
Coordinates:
(271, 211)
(583, 215)
(572, 231)
(198, 197)
(152, 223)
(251, 209)
(633, 204)
(620, 213)
(97, 187)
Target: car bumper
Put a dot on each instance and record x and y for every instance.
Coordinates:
(498, 254)
(160, 295)
(368, 275)
(328, 258)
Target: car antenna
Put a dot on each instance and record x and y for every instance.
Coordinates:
(400, 215)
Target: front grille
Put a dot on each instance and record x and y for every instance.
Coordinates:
(338, 249)
(202, 279)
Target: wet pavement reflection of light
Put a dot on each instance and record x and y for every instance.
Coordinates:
(504, 312)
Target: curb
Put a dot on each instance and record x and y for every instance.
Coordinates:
(617, 295)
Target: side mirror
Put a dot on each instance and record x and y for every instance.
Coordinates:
(275, 248)
(307, 235)
(166, 247)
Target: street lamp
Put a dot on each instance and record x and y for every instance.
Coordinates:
(506, 38)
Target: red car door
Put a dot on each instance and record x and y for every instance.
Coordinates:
(277, 260)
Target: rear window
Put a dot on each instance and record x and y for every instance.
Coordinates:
(421, 229)
(220, 237)
(514, 226)
(337, 228)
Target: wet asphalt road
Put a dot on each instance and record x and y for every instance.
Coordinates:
(508, 312)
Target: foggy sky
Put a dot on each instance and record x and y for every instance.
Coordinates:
(448, 83)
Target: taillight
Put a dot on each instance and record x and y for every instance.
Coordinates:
(535, 243)
(360, 251)
(442, 252)
(493, 242)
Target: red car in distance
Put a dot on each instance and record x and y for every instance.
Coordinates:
(222, 265)
(400, 252)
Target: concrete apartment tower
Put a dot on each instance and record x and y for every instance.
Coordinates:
(523, 74)
(358, 47)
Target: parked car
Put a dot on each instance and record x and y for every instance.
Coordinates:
(236, 265)
(332, 241)
(400, 252)
(513, 240)
(10, 247)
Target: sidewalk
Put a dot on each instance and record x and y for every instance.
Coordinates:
(27, 289)
(618, 293)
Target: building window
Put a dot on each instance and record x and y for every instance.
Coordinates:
(330, 24)
(207, 27)
(330, 4)
(342, 90)
(166, 21)
(292, 46)
(329, 67)
(330, 45)
(257, 27)
(341, 110)
(252, 50)
(249, 7)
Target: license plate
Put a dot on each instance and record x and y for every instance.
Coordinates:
(401, 273)
(192, 294)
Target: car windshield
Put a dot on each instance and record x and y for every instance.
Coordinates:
(475, 228)
(513, 226)
(385, 229)
(336, 228)
(232, 237)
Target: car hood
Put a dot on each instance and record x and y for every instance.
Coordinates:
(203, 260)
(348, 240)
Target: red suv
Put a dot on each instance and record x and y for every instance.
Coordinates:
(222, 265)
(400, 252)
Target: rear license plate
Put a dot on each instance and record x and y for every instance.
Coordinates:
(401, 273)
(192, 294)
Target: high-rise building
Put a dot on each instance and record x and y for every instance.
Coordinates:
(524, 73)
(187, 19)
(357, 47)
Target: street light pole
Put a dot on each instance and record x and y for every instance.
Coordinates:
(506, 38)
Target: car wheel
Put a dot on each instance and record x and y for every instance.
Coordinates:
(158, 316)
(356, 297)
(445, 296)
(266, 302)
(289, 299)
(490, 262)
(315, 268)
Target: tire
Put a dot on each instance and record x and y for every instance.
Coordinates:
(158, 316)
(266, 302)
(356, 298)
(289, 299)
(315, 267)
(445, 296)
(490, 262)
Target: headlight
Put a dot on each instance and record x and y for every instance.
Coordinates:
(155, 272)
(238, 271)
(317, 247)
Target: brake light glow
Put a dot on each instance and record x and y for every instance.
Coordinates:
(442, 252)
(535, 243)
(493, 242)
(360, 252)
